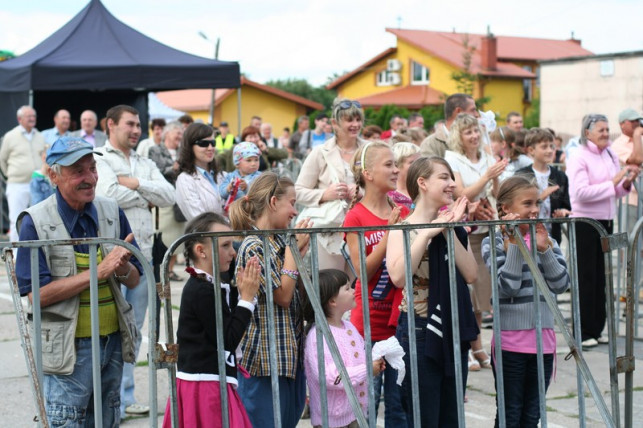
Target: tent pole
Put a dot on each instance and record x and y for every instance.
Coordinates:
(31, 98)
(239, 108)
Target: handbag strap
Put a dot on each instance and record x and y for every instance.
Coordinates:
(334, 177)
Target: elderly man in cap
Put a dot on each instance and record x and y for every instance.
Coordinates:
(74, 211)
(629, 149)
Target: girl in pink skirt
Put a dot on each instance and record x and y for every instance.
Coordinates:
(197, 377)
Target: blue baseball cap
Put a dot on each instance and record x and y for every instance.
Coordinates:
(68, 150)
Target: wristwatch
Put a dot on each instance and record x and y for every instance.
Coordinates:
(122, 278)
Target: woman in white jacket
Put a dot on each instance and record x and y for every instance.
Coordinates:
(196, 185)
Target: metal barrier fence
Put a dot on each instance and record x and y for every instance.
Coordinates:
(309, 276)
(160, 358)
(626, 224)
(32, 347)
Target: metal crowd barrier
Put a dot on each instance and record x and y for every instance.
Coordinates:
(32, 347)
(309, 276)
(624, 225)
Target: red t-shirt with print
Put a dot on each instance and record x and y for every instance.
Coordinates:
(381, 291)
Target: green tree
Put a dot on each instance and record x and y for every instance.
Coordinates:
(304, 89)
(532, 118)
(465, 80)
(4, 55)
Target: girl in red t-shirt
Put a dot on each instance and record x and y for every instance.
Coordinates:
(376, 173)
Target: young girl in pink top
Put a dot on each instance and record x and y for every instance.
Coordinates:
(518, 199)
(336, 297)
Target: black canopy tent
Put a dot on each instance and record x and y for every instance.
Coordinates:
(95, 62)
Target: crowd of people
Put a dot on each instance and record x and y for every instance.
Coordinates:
(190, 177)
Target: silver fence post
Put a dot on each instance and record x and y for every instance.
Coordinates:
(270, 302)
(319, 319)
(218, 328)
(542, 391)
(25, 338)
(368, 340)
(495, 303)
(36, 310)
(410, 313)
(575, 298)
(611, 326)
(630, 321)
(455, 326)
(96, 363)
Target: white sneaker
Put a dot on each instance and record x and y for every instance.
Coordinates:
(603, 340)
(137, 409)
(589, 343)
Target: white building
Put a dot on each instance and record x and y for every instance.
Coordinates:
(573, 87)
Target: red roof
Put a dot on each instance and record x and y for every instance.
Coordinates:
(361, 68)
(448, 46)
(412, 97)
(199, 99)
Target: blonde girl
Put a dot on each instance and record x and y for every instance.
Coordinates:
(376, 173)
(431, 184)
(404, 154)
(270, 205)
(518, 199)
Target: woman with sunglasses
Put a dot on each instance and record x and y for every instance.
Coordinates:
(596, 180)
(326, 175)
(196, 185)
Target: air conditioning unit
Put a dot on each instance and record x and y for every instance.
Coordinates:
(393, 65)
(394, 79)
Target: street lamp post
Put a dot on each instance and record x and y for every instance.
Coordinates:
(216, 57)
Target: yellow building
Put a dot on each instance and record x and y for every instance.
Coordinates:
(274, 106)
(419, 70)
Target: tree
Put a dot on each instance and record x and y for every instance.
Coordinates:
(532, 118)
(304, 89)
(4, 55)
(464, 79)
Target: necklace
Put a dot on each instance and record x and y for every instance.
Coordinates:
(347, 152)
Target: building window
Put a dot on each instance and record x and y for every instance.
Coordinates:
(419, 74)
(527, 84)
(607, 68)
(383, 78)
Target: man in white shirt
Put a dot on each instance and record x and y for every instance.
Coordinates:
(20, 156)
(137, 184)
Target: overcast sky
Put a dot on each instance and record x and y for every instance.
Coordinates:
(278, 39)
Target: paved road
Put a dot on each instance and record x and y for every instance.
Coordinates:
(17, 407)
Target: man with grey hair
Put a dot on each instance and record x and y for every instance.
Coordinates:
(19, 158)
(267, 137)
(416, 120)
(62, 120)
(88, 131)
(75, 211)
(436, 144)
(137, 184)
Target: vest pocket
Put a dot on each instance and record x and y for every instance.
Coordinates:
(59, 268)
(53, 349)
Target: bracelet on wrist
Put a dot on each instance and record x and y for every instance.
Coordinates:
(121, 278)
(294, 274)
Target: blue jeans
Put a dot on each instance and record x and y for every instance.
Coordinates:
(256, 395)
(520, 379)
(70, 398)
(137, 297)
(437, 393)
(393, 412)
